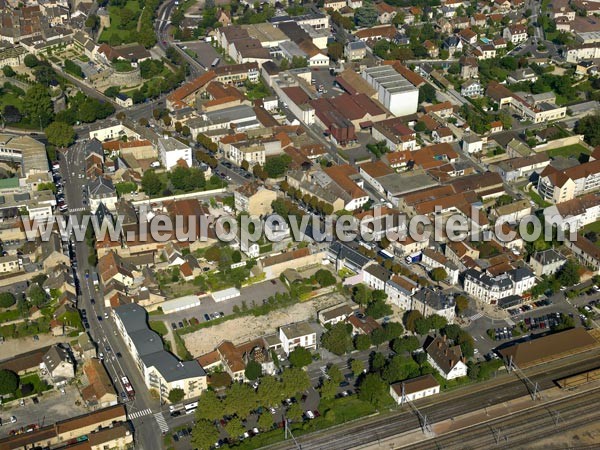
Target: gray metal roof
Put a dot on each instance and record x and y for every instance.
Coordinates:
(150, 347)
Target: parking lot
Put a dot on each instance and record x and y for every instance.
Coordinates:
(52, 406)
(204, 53)
(309, 401)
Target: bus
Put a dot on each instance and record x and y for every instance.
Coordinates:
(128, 388)
(215, 62)
(190, 407)
(385, 254)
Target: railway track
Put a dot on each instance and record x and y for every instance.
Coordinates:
(439, 408)
(522, 428)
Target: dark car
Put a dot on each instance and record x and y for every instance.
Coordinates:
(93, 301)
(206, 317)
(118, 354)
(86, 324)
(99, 318)
(180, 324)
(173, 325)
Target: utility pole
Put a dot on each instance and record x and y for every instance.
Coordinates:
(298, 446)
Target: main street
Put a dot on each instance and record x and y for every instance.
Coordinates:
(102, 328)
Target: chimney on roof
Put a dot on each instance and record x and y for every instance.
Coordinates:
(451, 363)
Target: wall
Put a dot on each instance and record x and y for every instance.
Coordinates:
(558, 143)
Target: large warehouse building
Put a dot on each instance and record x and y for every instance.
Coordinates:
(394, 91)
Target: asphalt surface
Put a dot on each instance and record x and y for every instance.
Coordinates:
(102, 330)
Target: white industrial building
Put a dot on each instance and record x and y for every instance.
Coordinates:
(394, 91)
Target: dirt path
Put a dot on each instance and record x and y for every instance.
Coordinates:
(246, 328)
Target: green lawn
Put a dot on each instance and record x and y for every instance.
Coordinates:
(569, 151)
(159, 326)
(592, 227)
(8, 98)
(115, 23)
(11, 314)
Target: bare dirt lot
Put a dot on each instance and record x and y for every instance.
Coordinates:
(246, 328)
(13, 347)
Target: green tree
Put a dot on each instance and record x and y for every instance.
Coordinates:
(437, 322)
(365, 17)
(253, 370)
(335, 50)
(7, 299)
(589, 126)
(270, 391)
(265, 421)
(235, 428)
(378, 309)
(377, 362)
(439, 274)
(37, 296)
(176, 395)
(8, 71)
(427, 93)
(422, 326)
(204, 435)
(338, 339)
(209, 407)
(328, 389)
(324, 278)
(357, 367)
(462, 303)
(374, 390)
(300, 357)
(361, 294)
(362, 342)
(37, 105)
(410, 319)
(335, 374)
(240, 400)
(406, 344)
(30, 61)
(9, 382)
(277, 165)
(294, 413)
(60, 134)
(151, 183)
(568, 275)
(294, 380)
(400, 368)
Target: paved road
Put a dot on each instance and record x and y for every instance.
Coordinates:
(102, 330)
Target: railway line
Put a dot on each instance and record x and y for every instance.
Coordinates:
(522, 428)
(439, 408)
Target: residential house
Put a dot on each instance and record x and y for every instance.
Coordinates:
(334, 314)
(546, 262)
(447, 360)
(99, 391)
(362, 324)
(562, 185)
(574, 214)
(523, 167)
(515, 33)
(433, 259)
(385, 13)
(101, 190)
(471, 89)
(428, 302)
(472, 143)
(376, 276)
(355, 50)
(586, 251)
(58, 364)
(400, 291)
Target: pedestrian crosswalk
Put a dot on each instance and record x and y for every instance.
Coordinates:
(162, 423)
(75, 210)
(141, 413)
(476, 316)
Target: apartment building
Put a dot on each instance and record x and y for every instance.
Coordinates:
(559, 186)
(299, 334)
(170, 151)
(254, 198)
(160, 369)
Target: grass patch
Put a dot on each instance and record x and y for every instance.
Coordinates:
(11, 314)
(569, 151)
(537, 199)
(159, 326)
(115, 31)
(181, 349)
(592, 227)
